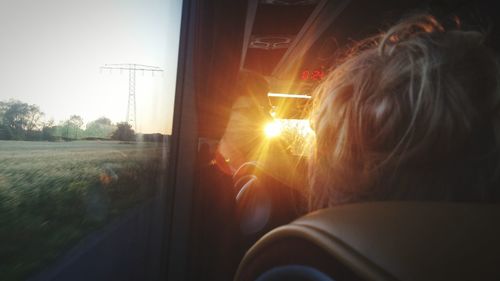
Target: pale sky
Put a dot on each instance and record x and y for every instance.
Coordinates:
(51, 51)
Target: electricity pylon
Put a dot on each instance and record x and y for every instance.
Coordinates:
(132, 68)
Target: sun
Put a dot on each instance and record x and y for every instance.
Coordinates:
(272, 129)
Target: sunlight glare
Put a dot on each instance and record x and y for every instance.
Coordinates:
(272, 129)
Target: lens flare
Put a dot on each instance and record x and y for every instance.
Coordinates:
(272, 129)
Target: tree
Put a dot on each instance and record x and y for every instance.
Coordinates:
(76, 123)
(124, 132)
(19, 119)
(71, 127)
(100, 128)
(49, 131)
(103, 121)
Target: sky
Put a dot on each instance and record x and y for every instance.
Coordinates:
(51, 52)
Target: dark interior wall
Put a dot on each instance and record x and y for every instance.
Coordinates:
(217, 58)
(219, 41)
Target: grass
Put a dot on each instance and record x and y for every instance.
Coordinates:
(53, 194)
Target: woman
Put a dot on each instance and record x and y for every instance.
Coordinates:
(409, 115)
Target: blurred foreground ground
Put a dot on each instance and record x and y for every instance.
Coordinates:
(53, 194)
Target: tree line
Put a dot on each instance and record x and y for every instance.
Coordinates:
(23, 121)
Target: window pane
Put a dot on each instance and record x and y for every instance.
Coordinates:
(86, 106)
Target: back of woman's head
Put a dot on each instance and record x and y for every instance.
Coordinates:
(409, 115)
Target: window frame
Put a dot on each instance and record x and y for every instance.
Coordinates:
(180, 183)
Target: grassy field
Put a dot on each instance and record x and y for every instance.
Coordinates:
(54, 193)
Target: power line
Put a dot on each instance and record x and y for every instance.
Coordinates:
(131, 117)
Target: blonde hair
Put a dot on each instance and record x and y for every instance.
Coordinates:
(409, 115)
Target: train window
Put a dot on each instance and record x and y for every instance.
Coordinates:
(86, 107)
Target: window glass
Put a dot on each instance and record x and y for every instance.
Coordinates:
(86, 106)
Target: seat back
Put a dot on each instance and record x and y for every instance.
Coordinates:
(386, 241)
(294, 273)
